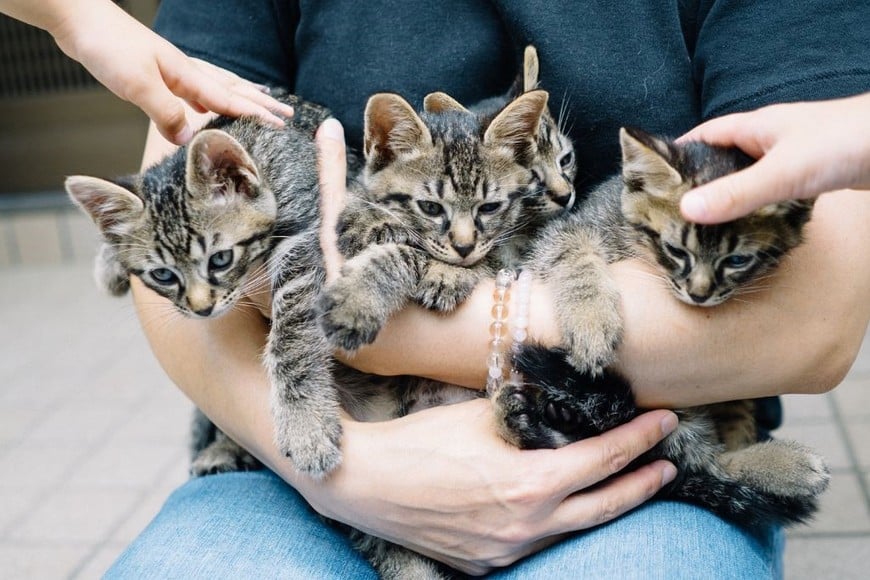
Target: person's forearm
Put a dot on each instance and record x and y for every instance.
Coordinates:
(797, 334)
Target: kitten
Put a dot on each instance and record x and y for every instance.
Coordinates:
(571, 393)
(198, 227)
(554, 166)
(442, 200)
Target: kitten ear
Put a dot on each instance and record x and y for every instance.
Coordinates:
(518, 124)
(440, 102)
(530, 69)
(646, 164)
(392, 128)
(218, 168)
(113, 207)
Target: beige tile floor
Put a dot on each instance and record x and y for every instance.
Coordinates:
(92, 435)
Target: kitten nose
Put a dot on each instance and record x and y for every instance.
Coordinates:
(564, 200)
(698, 299)
(204, 311)
(463, 251)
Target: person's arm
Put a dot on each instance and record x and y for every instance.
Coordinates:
(798, 333)
(441, 482)
(803, 150)
(137, 65)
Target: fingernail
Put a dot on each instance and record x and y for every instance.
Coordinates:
(669, 423)
(669, 472)
(183, 136)
(694, 206)
(263, 89)
(331, 129)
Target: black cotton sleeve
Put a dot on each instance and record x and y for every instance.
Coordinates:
(753, 53)
(252, 38)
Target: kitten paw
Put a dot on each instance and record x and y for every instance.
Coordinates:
(526, 419)
(444, 286)
(218, 459)
(346, 325)
(784, 468)
(592, 346)
(313, 448)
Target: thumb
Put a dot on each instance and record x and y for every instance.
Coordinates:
(332, 170)
(740, 193)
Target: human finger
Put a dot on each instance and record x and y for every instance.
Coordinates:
(592, 460)
(735, 130)
(769, 180)
(332, 170)
(164, 109)
(256, 93)
(225, 94)
(611, 499)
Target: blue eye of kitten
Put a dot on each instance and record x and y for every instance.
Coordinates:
(566, 160)
(488, 208)
(164, 276)
(220, 260)
(430, 208)
(737, 260)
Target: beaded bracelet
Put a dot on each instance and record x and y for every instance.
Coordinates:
(498, 330)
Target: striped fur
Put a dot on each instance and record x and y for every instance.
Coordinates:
(441, 209)
(573, 393)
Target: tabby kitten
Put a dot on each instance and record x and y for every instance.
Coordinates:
(554, 166)
(442, 199)
(572, 394)
(196, 227)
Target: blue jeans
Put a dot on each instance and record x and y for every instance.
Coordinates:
(253, 525)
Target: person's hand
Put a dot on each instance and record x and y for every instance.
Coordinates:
(804, 149)
(444, 484)
(143, 68)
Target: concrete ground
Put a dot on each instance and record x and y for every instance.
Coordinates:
(93, 435)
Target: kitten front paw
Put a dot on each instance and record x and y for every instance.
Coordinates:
(313, 444)
(784, 468)
(528, 419)
(346, 321)
(593, 340)
(444, 287)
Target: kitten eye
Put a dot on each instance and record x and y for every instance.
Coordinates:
(430, 208)
(566, 160)
(164, 276)
(488, 208)
(737, 261)
(220, 260)
(675, 252)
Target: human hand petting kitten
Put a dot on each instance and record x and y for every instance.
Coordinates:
(804, 149)
(141, 67)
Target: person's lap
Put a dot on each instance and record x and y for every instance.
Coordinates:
(252, 525)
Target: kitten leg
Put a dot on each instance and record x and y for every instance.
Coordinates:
(585, 298)
(221, 456)
(556, 405)
(445, 286)
(735, 423)
(373, 286)
(305, 400)
(783, 468)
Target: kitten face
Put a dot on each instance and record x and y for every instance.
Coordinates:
(705, 264)
(197, 244)
(553, 172)
(455, 186)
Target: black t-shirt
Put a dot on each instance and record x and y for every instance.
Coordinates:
(661, 65)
